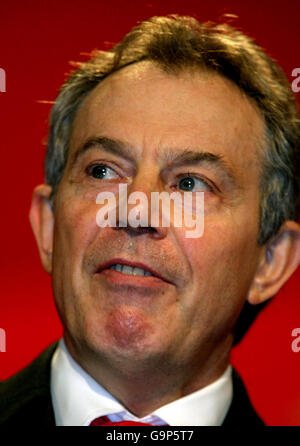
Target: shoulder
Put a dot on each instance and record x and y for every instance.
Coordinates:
(241, 411)
(25, 397)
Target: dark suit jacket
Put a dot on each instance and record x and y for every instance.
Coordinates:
(25, 398)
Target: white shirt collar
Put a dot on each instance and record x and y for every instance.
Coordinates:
(78, 399)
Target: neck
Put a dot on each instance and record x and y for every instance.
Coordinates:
(143, 387)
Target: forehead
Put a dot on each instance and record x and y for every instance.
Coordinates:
(152, 111)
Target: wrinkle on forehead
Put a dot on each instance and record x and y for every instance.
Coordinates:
(147, 95)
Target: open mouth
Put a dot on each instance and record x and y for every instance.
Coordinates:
(132, 271)
(127, 268)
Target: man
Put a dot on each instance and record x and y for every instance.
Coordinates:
(149, 313)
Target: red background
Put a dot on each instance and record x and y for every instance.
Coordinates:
(37, 39)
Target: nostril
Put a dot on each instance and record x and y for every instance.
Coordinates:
(138, 230)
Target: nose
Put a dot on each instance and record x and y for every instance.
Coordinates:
(134, 207)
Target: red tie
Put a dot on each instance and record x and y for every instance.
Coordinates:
(105, 421)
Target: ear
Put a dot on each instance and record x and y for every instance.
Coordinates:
(42, 222)
(280, 258)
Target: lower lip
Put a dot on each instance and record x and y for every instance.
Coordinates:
(128, 279)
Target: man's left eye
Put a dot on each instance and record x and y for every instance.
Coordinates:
(101, 171)
(193, 184)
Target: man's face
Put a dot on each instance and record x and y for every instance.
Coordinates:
(186, 315)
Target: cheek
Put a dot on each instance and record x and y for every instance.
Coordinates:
(224, 252)
(223, 263)
(75, 228)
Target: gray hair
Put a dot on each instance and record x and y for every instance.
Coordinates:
(178, 42)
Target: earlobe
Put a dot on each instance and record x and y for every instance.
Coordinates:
(279, 260)
(42, 222)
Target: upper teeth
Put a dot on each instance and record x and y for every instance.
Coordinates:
(126, 269)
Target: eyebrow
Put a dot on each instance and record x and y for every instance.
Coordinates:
(173, 157)
(191, 157)
(114, 146)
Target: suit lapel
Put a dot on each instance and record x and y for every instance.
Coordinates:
(241, 411)
(25, 398)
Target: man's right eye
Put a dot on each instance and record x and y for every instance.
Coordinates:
(101, 171)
